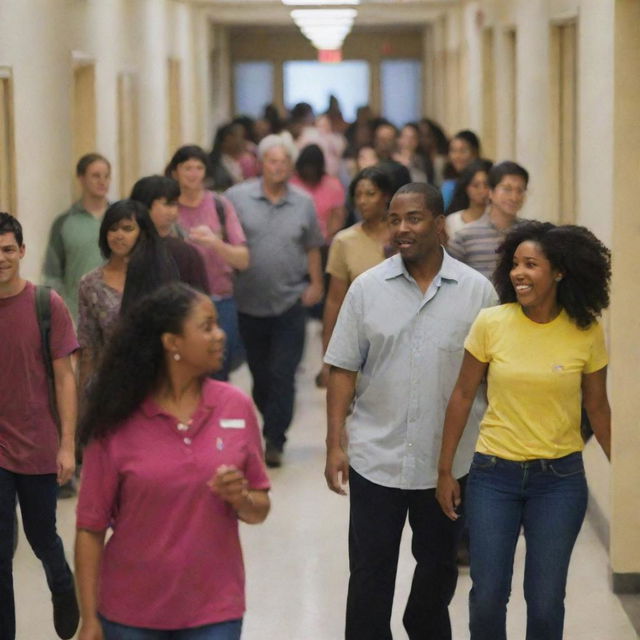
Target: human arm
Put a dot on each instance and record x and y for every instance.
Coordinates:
(54, 262)
(335, 296)
(67, 405)
(88, 557)
(315, 290)
(596, 403)
(471, 374)
(340, 392)
(230, 484)
(236, 256)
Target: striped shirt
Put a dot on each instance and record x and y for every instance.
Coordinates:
(476, 244)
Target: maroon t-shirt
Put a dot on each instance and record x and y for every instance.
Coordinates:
(28, 434)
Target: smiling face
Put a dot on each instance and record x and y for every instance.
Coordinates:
(201, 343)
(414, 229)
(190, 174)
(96, 180)
(164, 215)
(122, 237)
(460, 154)
(535, 280)
(10, 256)
(508, 196)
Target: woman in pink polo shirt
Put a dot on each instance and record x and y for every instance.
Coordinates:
(173, 461)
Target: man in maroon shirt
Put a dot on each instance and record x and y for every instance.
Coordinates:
(33, 457)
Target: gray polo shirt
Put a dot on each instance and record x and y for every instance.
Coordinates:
(408, 348)
(278, 236)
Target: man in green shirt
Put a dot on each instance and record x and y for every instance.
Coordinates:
(73, 242)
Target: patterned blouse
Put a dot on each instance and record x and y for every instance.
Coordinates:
(98, 309)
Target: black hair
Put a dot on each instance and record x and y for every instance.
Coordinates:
(432, 197)
(582, 260)
(301, 111)
(460, 199)
(222, 178)
(377, 176)
(151, 188)
(311, 163)
(10, 224)
(248, 127)
(506, 168)
(440, 138)
(272, 116)
(89, 159)
(133, 364)
(397, 172)
(188, 152)
(470, 138)
(150, 264)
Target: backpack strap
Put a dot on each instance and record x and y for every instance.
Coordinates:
(222, 216)
(43, 313)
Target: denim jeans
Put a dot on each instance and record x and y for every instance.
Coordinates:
(376, 520)
(228, 630)
(37, 497)
(234, 354)
(274, 348)
(547, 499)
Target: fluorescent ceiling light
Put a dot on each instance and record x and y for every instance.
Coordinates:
(301, 3)
(326, 28)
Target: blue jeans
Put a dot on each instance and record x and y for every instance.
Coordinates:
(228, 630)
(234, 354)
(548, 500)
(37, 495)
(274, 347)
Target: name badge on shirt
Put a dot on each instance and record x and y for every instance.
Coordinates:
(232, 423)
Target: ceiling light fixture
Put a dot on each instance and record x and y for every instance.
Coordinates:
(326, 28)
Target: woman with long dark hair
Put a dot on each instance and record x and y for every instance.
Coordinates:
(470, 197)
(543, 354)
(464, 148)
(173, 461)
(136, 264)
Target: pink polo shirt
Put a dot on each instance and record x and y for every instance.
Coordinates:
(220, 274)
(174, 559)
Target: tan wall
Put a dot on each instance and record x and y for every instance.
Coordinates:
(116, 37)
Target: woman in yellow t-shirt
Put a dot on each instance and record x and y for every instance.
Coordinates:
(543, 355)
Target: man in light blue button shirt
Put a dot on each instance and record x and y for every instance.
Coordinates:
(397, 349)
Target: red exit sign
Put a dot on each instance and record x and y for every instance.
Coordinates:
(329, 55)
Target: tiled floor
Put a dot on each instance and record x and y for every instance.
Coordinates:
(297, 560)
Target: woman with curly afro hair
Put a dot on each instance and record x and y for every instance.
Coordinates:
(543, 354)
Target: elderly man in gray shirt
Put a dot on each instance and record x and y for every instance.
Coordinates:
(397, 348)
(284, 277)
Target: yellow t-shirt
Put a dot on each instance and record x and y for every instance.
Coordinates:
(534, 381)
(353, 252)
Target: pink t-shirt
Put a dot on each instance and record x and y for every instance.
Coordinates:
(28, 434)
(174, 559)
(327, 195)
(220, 274)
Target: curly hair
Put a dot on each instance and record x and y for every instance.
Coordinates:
(134, 361)
(585, 264)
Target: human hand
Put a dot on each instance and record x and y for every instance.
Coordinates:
(336, 470)
(230, 485)
(312, 295)
(66, 464)
(204, 236)
(448, 495)
(90, 630)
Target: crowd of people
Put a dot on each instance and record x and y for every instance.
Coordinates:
(462, 353)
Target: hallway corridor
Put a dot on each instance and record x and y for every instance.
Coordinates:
(296, 562)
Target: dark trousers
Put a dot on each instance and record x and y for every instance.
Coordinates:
(37, 497)
(274, 348)
(377, 517)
